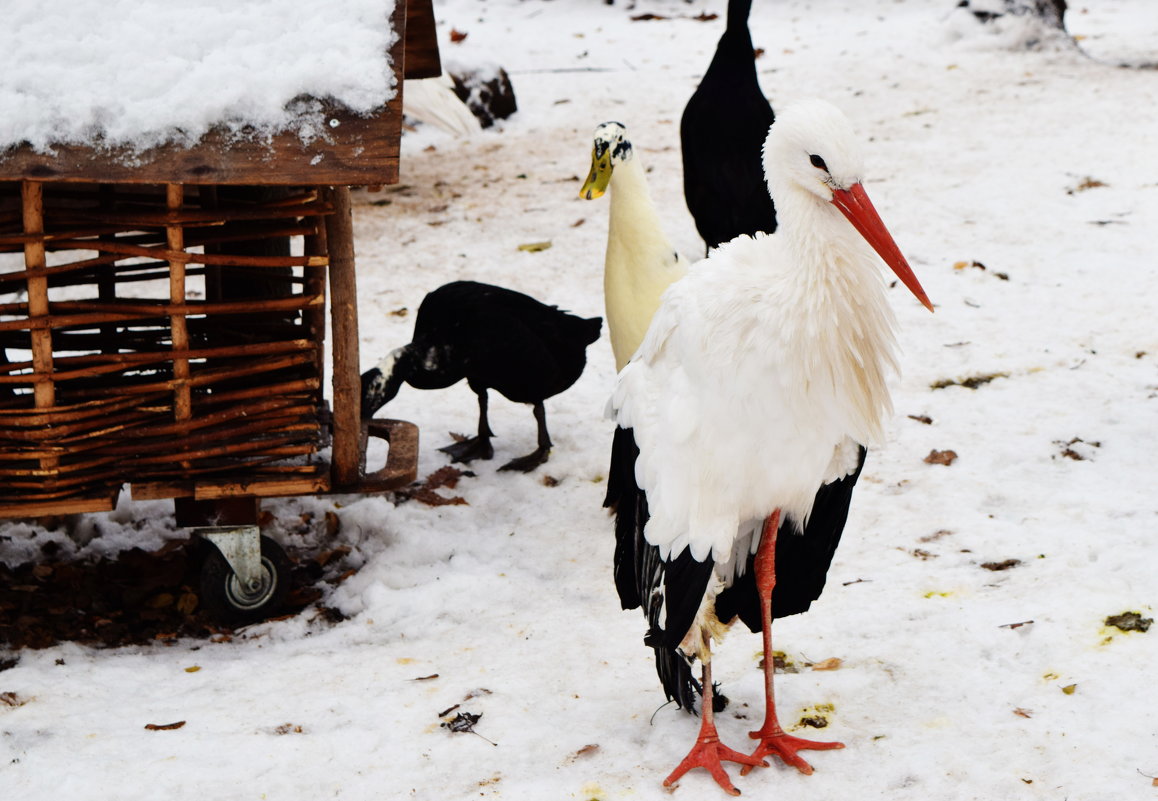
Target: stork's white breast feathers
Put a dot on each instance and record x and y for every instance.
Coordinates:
(743, 403)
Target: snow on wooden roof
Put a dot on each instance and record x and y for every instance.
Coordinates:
(149, 72)
(199, 91)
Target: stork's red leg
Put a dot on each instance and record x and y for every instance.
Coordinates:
(773, 740)
(708, 752)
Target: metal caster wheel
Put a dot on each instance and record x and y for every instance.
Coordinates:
(229, 598)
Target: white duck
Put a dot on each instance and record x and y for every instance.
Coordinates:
(640, 262)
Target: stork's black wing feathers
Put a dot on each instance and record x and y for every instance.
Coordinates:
(644, 579)
(628, 503)
(802, 560)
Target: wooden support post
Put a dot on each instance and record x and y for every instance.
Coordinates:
(346, 450)
(179, 331)
(32, 196)
(35, 262)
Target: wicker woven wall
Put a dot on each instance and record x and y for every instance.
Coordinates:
(157, 335)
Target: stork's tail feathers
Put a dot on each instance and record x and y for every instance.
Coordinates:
(679, 680)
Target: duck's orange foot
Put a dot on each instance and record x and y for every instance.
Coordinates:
(709, 753)
(774, 742)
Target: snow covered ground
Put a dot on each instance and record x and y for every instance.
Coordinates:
(1039, 166)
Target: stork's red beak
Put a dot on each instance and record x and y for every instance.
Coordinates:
(854, 204)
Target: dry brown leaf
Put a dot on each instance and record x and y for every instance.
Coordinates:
(11, 699)
(1023, 713)
(1130, 621)
(585, 751)
(936, 535)
(941, 457)
(164, 726)
(1086, 183)
(432, 498)
(160, 601)
(457, 36)
(832, 663)
(972, 382)
(187, 603)
(445, 476)
(325, 557)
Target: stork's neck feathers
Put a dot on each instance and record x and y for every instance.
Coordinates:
(836, 315)
(640, 262)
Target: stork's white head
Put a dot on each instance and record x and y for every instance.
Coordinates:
(811, 150)
(611, 148)
(812, 146)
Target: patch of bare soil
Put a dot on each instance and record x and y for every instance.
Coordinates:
(137, 598)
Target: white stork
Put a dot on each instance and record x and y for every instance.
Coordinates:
(747, 407)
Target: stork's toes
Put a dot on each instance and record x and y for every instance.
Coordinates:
(470, 449)
(784, 746)
(709, 754)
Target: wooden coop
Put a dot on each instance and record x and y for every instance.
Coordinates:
(174, 343)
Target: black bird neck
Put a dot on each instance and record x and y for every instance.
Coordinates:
(735, 54)
(738, 11)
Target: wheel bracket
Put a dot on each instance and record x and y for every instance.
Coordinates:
(241, 548)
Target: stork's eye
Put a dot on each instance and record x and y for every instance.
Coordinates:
(818, 162)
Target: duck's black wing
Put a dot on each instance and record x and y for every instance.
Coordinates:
(506, 340)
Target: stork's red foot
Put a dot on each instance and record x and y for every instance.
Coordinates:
(709, 753)
(774, 742)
